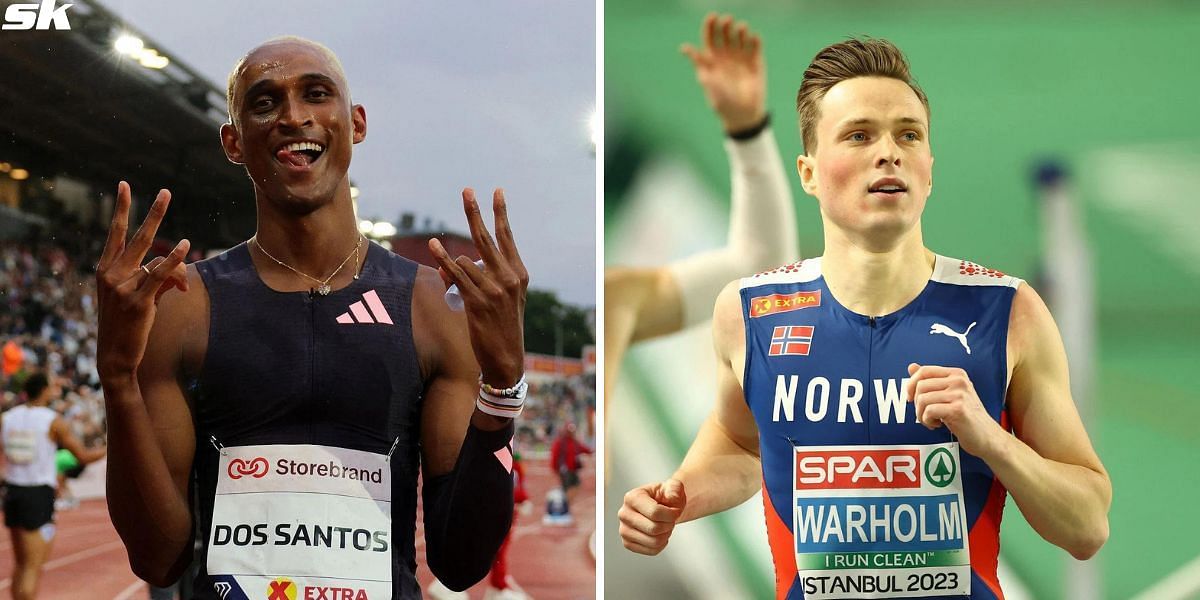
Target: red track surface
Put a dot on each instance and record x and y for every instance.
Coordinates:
(87, 560)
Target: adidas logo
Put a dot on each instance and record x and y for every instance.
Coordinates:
(370, 312)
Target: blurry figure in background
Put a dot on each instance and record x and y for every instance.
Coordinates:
(68, 467)
(31, 434)
(564, 459)
(646, 302)
(12, 357)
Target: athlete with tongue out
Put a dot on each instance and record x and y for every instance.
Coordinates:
(308, 345)
(873, 393)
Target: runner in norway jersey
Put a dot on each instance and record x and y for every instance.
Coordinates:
(861, 500)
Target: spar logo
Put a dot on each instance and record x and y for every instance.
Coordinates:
(255, 468)
(859, 469)
(281, 588)
(762, 306)
(42, 17)
(940, 468)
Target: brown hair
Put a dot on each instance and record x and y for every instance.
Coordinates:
(868, 57)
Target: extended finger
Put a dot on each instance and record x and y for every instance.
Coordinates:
(504, 235)
(479, 232)
(725, 33)
(752, 49)
(466, 286)
(741, 31)
(162, 269)
(117, 228)
(142, 240)
(708, 31)
(699, 60)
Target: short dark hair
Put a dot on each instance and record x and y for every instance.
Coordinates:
(867, 57)
(36, 384)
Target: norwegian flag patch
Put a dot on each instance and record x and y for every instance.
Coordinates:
(791, 340)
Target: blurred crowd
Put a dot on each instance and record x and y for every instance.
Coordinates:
(48, 324)
(554, 401)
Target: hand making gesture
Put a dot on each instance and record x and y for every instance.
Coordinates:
(128, 291)
(730, 69)
(494, 296)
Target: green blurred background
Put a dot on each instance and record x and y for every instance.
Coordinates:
(1110, 90)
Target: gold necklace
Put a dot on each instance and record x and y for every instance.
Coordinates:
(324, 288)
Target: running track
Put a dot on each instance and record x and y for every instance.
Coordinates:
(88, 561)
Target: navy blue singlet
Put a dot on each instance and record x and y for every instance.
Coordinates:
(301, 368)
(862, 501)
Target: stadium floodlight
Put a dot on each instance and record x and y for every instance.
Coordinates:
(383, 229)
(5, 167)
(129, 45)
(365, 227)
(151, 59)
(19, 174)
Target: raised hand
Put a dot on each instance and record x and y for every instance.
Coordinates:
(494, 296)
(127, 292)
(730, 68)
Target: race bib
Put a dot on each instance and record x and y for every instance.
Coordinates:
(20, 446)
(301, 521)
(880, 521)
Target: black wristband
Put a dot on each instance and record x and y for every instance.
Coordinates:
(751, 132)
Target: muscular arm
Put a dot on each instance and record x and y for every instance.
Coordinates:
(467, 492)
(722, 468)
(1049, 467)
(151, 443)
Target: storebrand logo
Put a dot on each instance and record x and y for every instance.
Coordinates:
(256, 468)
(42, 17)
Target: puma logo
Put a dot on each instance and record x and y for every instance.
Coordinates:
(962, 337)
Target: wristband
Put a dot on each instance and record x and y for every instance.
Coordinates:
(750, 132)
(517, 391)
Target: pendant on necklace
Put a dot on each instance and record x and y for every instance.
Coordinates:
(323, 290)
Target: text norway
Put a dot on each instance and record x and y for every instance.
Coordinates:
(888, 397)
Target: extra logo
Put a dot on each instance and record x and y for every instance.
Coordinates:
(281, 588)
(762, 306)
(42, 17)
(791, 340)
(256, 468)
(940, 469)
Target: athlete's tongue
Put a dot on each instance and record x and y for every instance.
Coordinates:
(296, 159)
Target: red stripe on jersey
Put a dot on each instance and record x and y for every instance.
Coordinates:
(984, 537)
(783, 553)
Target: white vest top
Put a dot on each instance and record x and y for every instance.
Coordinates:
(27, 446)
